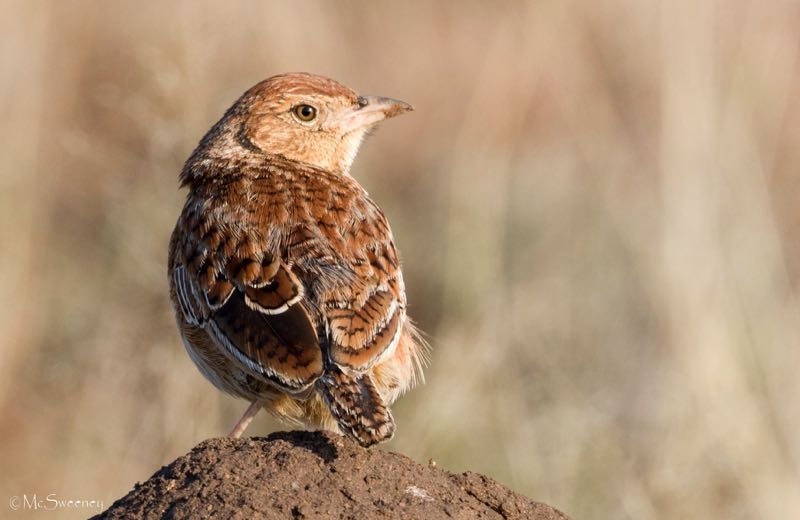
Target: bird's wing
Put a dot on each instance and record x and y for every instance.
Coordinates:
(365, 316)
(247, 299)
(353, 277)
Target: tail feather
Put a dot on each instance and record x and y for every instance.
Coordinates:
(357, 407)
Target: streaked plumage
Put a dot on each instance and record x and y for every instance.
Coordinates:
(283, 272)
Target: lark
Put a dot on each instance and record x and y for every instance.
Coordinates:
(283, 272)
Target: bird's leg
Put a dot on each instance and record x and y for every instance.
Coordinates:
(244, 421)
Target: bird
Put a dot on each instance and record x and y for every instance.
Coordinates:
(283, 272)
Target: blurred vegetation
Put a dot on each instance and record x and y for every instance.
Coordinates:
(596, 203)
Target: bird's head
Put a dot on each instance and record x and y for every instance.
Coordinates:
(301, 117)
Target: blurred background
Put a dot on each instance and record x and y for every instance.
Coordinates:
(596, 204)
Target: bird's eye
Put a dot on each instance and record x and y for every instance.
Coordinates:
(305, 113)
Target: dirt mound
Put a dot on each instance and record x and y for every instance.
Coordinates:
(315, 475)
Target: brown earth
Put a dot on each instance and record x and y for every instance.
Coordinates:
(315, 475)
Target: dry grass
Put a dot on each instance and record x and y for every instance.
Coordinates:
(596, 204)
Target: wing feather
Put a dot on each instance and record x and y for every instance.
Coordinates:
(249, 301)
(315, 274)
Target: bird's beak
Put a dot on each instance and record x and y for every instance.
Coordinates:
(370, 110)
